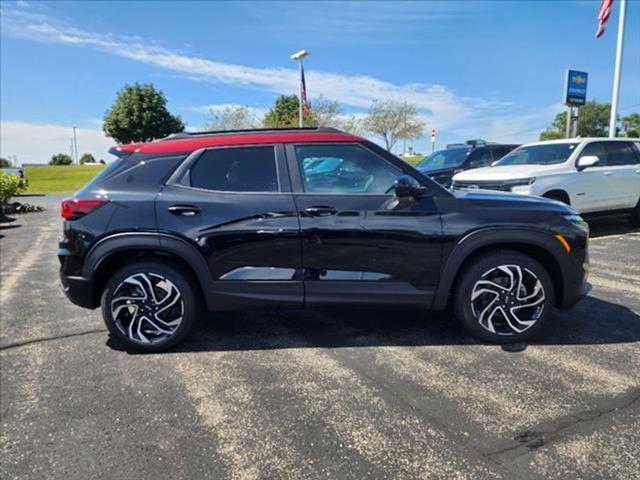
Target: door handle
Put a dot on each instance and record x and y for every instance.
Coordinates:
(320, 211)
(184, 210)
(606, 173)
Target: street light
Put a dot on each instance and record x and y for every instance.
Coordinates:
(299, 56)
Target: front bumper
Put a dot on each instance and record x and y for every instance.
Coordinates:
(79, 290)
(571, 298)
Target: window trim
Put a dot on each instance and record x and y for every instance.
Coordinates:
(181, 177)
(297, 185)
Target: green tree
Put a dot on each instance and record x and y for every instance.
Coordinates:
(284, 112)
(60, 159)
(87, 158)
(4, 163)
(140, 114)
(594, 122)
(393, 120)
(631, 125)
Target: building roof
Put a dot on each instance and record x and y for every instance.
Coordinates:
(189, 142)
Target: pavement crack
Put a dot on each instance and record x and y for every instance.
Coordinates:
(545, 433)
(31, 341)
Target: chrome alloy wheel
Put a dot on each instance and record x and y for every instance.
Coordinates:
(508, 300)
(147, 307)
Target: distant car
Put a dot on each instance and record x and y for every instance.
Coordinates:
(19, 171)
(442, 165)
(596, 176)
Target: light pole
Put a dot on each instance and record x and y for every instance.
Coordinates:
(303, 94)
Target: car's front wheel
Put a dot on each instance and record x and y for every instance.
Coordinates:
(149, 306)
(504, 297)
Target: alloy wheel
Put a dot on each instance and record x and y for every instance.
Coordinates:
(147, 308)
(508, 300)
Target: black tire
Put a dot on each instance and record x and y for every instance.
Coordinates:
(634, 219)
(168, 278)
(487, 307)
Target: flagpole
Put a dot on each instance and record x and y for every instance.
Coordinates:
(616, 74)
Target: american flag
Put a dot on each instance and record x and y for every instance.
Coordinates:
(306, 110)
(603, 16)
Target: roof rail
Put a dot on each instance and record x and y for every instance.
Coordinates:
(175, 136)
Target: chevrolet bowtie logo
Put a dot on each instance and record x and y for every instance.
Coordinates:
(579, 80)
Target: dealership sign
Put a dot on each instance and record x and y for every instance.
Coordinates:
(576, 88)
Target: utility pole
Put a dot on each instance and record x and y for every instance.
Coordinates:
(75, 145)
(616, 73)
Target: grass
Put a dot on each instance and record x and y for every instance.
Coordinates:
(413, 160)
(59, 179)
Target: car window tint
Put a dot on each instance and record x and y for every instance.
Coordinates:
(483, 159)
(595, 149)
(498, 153)
(620, 153)
(247, 169)
(343, 169)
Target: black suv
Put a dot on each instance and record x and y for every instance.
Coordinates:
(240, 220)
(442, 165)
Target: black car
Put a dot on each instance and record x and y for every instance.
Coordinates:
(250, 219)
(442, 165)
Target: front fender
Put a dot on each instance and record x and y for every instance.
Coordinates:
(500, 237)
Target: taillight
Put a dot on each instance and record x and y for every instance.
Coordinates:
(73, 208)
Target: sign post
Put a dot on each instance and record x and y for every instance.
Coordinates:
(575, 95)
(433, 140)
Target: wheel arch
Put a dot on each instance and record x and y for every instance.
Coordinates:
(541, 246)
(111, 253)
(558, 194)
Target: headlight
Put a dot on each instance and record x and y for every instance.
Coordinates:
(577, 220)
(521, 182)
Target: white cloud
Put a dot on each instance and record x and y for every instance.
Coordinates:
(439, 103)
(32, 143)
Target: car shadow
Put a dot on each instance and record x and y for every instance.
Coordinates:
(614, 226)
(592, 321)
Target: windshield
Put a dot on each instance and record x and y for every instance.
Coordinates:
(549, 154)
(450, 158)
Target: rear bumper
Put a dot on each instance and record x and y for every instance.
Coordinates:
(78, 290)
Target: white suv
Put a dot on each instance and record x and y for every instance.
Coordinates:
(593, 175)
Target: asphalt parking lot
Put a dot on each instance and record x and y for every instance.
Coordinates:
(317, 394)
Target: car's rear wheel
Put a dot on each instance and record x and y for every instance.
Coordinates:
(504, 297)
(149, 306)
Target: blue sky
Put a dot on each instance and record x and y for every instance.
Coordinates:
(475, 69)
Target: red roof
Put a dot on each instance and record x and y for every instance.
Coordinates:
(196, 142)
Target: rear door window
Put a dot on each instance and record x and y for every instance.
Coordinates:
(620, 153)
(244, 169)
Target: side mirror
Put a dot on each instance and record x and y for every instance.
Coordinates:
(406, 186)
(494, 163)
(587, 161)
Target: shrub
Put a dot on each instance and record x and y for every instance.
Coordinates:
(87, 158)
(10, 186)
(60, 159)
(4, 163)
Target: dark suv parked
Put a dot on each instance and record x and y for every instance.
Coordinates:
(225, 221)
(442, 165)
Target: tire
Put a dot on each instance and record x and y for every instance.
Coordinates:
(511, 303)
(634, 219)
(150, 306)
